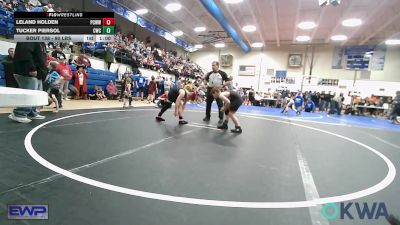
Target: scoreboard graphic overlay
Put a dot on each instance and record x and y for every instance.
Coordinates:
(64, 27)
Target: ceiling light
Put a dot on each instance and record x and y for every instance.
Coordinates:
(339, 38)
(233, 1)
(141, 11)
(172, 7)
(219, 45)
(303, 38)
(198, 46)
(307, 25)
(177, 33)
(249, 28)
(199, 29)
(352, 22)
(257, 45)
(393, 42)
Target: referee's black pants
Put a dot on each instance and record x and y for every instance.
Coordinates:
(209, 102)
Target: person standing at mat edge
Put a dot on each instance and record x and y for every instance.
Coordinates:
(214, 79)
(232, 102)
(29, 70)
(179, 97)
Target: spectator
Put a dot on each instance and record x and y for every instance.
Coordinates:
(134, 65)
(328, 98)
(65, 71)
(50, 7)
(92, 93)
(323, 102)
(49, 58)
(315, 98)
(167, 85)
(395, 112)
(71, 59)
(9, 70)
(140, 82)
(100, 93)
(54, 81)
(229, 84)
(80, 83)
(109, 55)
(127, 92)
(252, 99)
(29, 71)
(35, 3)
(309, 106)
(83, 60)
(58, 54)
(160, 85)
(112, 90)
(152, 90)
(299, 103)
(123, 84)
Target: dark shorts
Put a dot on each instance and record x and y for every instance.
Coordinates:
(140, 89)
(234, 106)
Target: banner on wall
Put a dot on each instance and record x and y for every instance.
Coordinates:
(270, 72)
(131, 16)
(378, 59)
(281, 73)
(247, 70)
(364, 57)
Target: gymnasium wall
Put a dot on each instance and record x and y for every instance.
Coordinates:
(276, 58)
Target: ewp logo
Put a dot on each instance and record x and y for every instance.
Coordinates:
(36, 212)
(377, 210)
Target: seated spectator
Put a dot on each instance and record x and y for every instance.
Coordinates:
(100, 93)
(80, 83)
(309, 106)
(9, 69)
(83, 60)
(134, 65)
(348, 109)
(112, 90)
(92, 93)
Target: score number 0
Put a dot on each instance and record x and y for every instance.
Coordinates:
(108, 21)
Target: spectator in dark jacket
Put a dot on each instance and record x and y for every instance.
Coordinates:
(109, 55)
(309, 106)
(29, 70)
(9, 70)
(58, 54)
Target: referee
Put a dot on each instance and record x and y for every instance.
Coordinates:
(215, 78)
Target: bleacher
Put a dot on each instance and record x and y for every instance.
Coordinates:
(6, 23)
(97, 77)
(2, 73)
